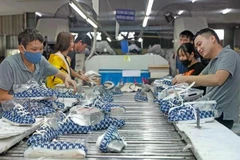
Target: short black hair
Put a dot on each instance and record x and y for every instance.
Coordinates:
(29, 35)
(207, 33)
(63, 41)
(187, 33)
(84, 38)
(188, 48)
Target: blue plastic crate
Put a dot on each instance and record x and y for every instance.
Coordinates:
(115, 75)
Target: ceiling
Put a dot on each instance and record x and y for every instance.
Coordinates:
(211, 9)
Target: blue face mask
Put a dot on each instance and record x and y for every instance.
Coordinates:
(34, 58)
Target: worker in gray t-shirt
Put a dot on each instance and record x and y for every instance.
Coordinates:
(221, 76)
(29, 63)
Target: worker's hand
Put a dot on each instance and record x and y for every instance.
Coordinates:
(69, 82)
(85, 78)
(81, 72)
(178, 79)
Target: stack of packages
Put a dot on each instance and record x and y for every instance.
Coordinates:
(180, 102)
(32, 101)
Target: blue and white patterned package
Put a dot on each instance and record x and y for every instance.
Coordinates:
(165, 105)
(140, 96)
(187, 113)
(39, 108)
(56, 150)
(108, 121)
(68, 126)
(111, 141)
(36, 93)
(18, 115)
(43, 134)
(68, 94)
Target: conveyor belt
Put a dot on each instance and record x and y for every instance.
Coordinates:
(147, 132)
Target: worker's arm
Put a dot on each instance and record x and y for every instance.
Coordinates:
(216, 79)
(80, 76)
(5, 96)
(66, 79)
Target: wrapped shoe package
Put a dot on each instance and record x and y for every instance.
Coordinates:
(141, 96)
(56, 150)
(187, 113)
(46, 133)
(111, 141)
(31, 90)
(18, 115)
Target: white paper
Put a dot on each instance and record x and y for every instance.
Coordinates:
(131, 73)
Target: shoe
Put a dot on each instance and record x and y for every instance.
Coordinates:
(111, 141)
(117, 92)
(56, 150)
(68, 126)
(140, 96)
(187, 112)
(108, 85)
(107, 97)
(44, 134)
(39, 108)
(166, 104)
(36, 93)
(18, 115)
(68, 94)
(108, 121)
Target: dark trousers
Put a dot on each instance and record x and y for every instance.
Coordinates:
(226, 123)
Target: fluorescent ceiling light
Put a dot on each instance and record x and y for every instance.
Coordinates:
(193, 1)
(109, 39)
(149, 7)
(180, 12)
(92, 23)
(77, 10)
(145, 21)
(225, 11)
(38, 14)
(140, 39)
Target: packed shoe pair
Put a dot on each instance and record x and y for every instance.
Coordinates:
(107, 107)
(45, 133)
(72, 126)
(140, 96)
(67, 94)
(18, 115)
(111, 141)
(56, 150)
(187, 113)
(167, 103)
(36, 92)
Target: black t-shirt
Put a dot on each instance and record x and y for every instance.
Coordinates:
(196, 69)
(72, 55)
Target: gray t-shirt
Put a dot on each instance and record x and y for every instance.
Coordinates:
(14, 71)
(228, 94)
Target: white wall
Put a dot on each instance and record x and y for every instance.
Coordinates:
(124, 62)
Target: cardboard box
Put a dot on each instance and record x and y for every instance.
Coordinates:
(158, 71)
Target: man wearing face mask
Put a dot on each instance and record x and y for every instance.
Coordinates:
(29, 63)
